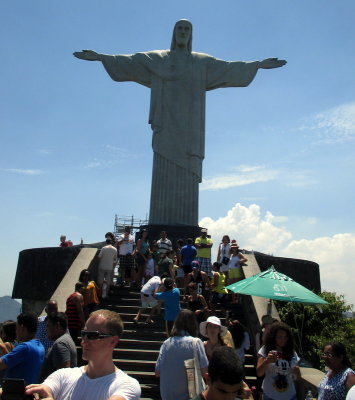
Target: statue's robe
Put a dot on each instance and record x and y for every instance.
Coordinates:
(178, 83)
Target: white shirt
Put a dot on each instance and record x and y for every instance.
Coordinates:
(151, 285)
(126, 247)
(74, 384)
(278, 383)
(107, 256)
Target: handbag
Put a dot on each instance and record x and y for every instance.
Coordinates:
(195, 383)
(225, 260)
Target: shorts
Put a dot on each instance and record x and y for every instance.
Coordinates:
(236, 273)
(126, 264)
(224, 268)
(148, 301)
(140, 260)
(205, 265)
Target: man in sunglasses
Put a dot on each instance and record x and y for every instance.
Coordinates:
(100, 378)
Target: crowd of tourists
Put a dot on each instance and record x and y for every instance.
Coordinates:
(208, 351)
(201, 359)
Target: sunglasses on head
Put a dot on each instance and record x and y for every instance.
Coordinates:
(94, 335)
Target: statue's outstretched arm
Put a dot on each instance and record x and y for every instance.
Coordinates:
(88, 55)
(270, 63)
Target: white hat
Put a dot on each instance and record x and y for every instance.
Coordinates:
(214, 321)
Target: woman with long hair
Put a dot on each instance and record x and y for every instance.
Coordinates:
(277, 360)
(214, 331)
(174, 351)
(197, 303)
(340, 376)
(240, 338)
(142, 250)
(235, 267)
(90, 294)
(223, 255)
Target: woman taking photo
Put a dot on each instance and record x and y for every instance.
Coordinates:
(173, 352)
(340, 377)
(277, 360)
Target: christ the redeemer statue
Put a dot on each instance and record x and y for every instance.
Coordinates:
(178, 79)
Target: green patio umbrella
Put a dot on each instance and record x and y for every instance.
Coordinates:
(274, 285)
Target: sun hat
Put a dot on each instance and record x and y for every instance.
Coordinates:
(214, 321)
(234, 243)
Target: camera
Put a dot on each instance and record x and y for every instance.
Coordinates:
(14, 389)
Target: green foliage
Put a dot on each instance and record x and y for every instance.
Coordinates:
(313, 329)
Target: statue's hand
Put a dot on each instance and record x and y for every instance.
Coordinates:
(270, 63)
(88, 55)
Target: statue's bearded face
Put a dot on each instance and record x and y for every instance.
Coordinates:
(182, 33)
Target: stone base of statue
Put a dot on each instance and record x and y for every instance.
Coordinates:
(174, 232)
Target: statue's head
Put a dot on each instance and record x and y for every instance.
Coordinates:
(182, 35)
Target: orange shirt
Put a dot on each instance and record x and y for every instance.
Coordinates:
(90, 294)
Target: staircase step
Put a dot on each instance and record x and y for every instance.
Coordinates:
(137, 344)
(143, 377)
(136, 354)
(135, 365)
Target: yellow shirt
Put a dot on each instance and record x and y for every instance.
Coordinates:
(206, 251)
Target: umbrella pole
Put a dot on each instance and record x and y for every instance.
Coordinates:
(299, 331)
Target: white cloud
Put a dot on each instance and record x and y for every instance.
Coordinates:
(245, 176)
(263, 232)
(44, 151)
(336, 258)
(336, 125)
(251, 229)
(110, 156)
(23, 171)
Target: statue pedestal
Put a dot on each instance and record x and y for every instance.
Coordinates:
(174, 232)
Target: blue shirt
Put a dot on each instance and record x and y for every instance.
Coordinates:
(188, 254)
(41, 333)
(171, 300)
(25, 361)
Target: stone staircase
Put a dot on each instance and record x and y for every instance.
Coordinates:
(139, 346)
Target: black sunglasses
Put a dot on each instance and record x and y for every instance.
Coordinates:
(94, 335)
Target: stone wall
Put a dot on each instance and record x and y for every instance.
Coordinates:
(304, 272)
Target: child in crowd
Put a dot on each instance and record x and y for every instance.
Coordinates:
(149, 268)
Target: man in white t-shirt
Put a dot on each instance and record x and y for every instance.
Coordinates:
(108, 260)
(99, 379)
(125, 246)
(147, 298)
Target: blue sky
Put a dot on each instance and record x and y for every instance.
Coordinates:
(279, 167)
